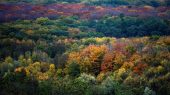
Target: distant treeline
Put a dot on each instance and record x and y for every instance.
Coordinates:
(154, 3)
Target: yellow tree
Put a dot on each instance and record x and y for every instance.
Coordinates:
(90, 58)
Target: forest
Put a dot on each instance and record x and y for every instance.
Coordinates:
(84, 47)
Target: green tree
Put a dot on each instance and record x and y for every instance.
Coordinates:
(73, 69)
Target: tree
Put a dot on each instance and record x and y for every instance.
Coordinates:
(108, 62)
(8, 60)
(42, 20)
(73, 69)
(89, 59)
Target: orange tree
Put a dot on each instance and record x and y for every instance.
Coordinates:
(89, 59)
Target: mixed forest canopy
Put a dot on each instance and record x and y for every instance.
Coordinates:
(84, 47)
(74, 27)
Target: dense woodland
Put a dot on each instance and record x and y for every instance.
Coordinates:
(72, 53)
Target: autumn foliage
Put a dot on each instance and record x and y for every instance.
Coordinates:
(30, 11)
(89, 58)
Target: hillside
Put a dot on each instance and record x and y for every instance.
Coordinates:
(154, 3)
(28, 11)
(84, 47)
